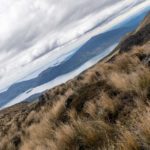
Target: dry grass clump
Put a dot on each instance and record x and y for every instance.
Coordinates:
(91, 109)
(120, 81)
(65, 137)
(127, 141)
(33, 117)
(140, 50)
(5, 145)
(93, 134)
(126, 64)
(143, 84)
(10, 142)
(144, 127)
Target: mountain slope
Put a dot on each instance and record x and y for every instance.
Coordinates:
(105, 107)
(138, 37)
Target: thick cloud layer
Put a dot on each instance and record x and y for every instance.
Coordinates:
(31, 28)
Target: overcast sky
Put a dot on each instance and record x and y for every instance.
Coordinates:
(31, 28)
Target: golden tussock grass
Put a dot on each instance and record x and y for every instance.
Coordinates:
(105, 108)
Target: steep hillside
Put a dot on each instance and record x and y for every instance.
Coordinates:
(139, 37)
(105, 107)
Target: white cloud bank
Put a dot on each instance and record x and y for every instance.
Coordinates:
(31, 28)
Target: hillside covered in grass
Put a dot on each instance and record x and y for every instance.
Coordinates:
(106, 107)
